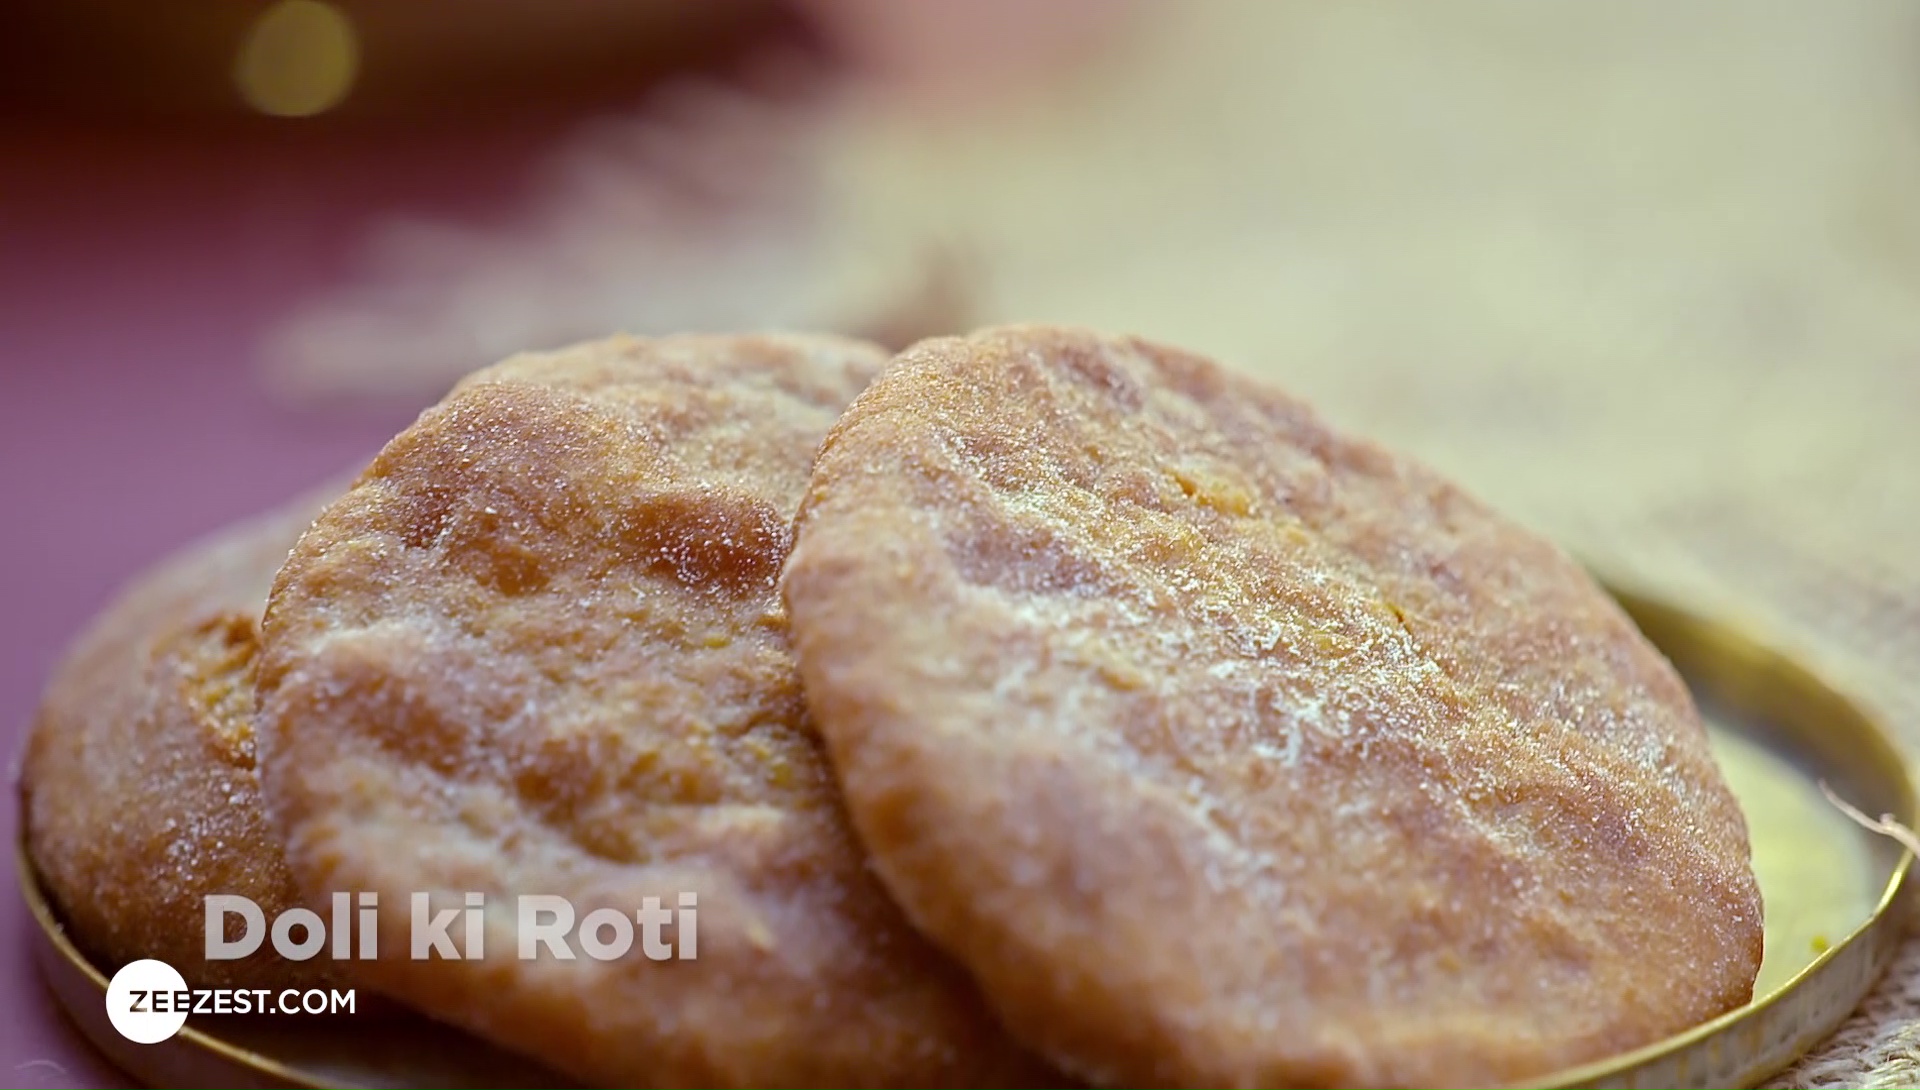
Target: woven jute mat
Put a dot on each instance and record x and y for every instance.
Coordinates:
(1645, 275)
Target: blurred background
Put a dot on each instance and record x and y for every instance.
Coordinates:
(1646, 275)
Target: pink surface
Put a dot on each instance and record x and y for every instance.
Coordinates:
(136, 276)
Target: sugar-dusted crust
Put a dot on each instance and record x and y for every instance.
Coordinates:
(1229, 750)
(138, 787)
(539, 649)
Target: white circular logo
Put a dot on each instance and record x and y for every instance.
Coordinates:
(147, 1001)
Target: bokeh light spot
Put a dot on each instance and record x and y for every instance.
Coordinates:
(299, 58)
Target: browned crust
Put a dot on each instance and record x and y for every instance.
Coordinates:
(539, 649)
(1229, 750)
(138, 788)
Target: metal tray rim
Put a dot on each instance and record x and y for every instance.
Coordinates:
(1619, 1069)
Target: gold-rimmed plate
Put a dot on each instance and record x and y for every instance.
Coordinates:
(1833, 892)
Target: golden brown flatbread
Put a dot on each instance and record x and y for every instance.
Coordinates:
(539, 650)
(139, 791)
(1226, 749)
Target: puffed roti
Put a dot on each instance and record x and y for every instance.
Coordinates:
(539, 650)
(1228, 750)
(139, 791)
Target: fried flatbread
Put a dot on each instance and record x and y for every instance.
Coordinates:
(1226, 749)
(539, 650)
